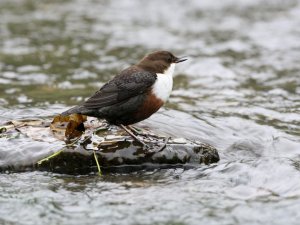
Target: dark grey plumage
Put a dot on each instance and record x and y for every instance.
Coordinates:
(118, 98)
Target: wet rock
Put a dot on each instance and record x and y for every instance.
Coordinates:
(125, 156)
(115, 150)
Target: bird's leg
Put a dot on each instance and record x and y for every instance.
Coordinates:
(136, 130)
(131, 130)
(140, 132)
(164, 144)
(159, 149)
(133, 135)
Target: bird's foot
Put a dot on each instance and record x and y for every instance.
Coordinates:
(136, 130)
(128, 130)
(151, 151)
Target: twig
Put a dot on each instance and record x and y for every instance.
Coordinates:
(69, 145)
(49, 157)
(57, 153)
(98, 166)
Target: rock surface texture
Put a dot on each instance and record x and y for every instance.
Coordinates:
(115, 150)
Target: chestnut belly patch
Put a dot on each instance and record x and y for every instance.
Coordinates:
(150, 105)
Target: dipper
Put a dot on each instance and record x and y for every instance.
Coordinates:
(135, 93)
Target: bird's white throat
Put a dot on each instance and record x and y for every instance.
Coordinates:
(163, 85)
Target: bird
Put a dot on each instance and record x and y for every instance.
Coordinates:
(134, 94)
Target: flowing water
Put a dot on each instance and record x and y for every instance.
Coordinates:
(239, 91)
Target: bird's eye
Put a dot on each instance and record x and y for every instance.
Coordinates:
(170, 59)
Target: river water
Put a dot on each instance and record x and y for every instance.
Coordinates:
(239, 91)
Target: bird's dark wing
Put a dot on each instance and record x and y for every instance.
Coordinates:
(127, 84)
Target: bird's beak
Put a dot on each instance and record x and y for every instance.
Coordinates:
(181, 59)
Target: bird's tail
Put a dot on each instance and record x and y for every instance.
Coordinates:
(80, 109)
(74, 110)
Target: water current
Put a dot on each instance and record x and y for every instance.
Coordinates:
(239, 91)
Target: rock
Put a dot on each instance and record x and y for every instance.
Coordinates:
(125, 156)
(116, 151)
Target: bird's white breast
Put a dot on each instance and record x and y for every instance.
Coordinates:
(163, 85)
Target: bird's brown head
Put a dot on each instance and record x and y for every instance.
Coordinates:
(159, 61)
